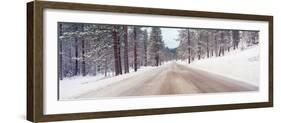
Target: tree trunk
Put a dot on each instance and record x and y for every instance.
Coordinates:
(189, 50)
(207, 47)
(76, 54)
(145, 54)
(216, 46)
(115, 48)
(236, 38)
(157, 60)
(135, 50)
(83, 54)
(119, 54)
(199, 50)
(222, 44)
(70, 58)
(95, 69)
(223, 51)
(60, 54)
(126, 59)
(105, 69)
(220, 51)
(83, 58)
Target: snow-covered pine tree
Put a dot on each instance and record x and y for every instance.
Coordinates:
(145, 42)
(126, 48)
(155, 46)
(60, 33)
(183, 50)
(236, 39)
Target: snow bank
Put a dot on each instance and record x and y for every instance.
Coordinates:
(69, 88)
(243, 65)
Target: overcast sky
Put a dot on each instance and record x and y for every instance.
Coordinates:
(169, 36)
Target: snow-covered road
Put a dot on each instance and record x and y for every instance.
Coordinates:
(172, 78)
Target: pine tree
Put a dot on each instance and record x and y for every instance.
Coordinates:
(83, 52)
(116, 52)
(145, 37)
(76, 71)
(155, 46)
(135, 49)
(126, 59)
(60, 52)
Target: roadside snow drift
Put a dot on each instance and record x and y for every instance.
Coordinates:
(71, 87)
(243, 65)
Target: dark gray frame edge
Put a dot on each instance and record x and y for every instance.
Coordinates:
(35, 61)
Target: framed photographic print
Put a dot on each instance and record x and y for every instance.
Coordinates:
(95, 61)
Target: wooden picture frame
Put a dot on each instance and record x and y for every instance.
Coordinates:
(35, 67)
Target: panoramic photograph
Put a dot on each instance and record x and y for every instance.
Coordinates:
(107, 61)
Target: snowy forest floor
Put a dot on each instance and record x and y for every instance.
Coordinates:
(235, 72)
(240, 65)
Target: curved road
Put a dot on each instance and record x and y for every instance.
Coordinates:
(168, 79)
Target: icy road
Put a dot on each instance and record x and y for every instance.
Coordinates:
(172, 78)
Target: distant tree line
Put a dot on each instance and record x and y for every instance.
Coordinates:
(206, 43)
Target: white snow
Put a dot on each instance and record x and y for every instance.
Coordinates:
(69, 88)
(241, 65)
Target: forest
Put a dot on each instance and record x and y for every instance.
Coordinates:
(111, 50)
